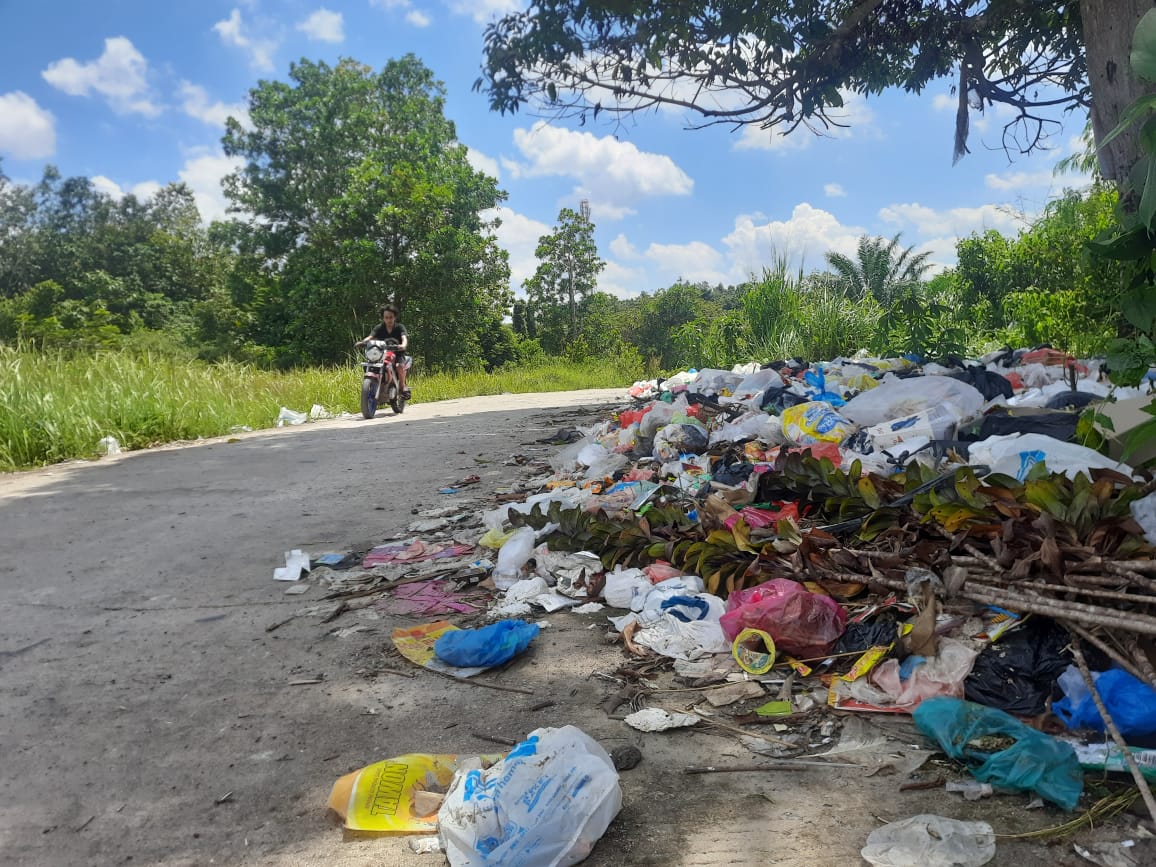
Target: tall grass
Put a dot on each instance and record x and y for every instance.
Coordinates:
(56, 406)
(815, 319)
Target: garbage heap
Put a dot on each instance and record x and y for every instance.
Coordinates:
(952, 541)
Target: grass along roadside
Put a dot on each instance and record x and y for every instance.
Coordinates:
(55, 406)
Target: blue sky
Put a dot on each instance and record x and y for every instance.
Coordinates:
(134, 94)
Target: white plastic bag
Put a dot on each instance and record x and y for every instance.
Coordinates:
(626, 588)
(930, 841)
(288, 416)
(896, 398)
(757, 425)
(1144, 511)
(512, 556)
(545, 805)
(1015, 454)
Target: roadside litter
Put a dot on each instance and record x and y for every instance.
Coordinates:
(801, 557)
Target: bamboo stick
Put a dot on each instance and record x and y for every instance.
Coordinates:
(1110, 724)
(1110, 651)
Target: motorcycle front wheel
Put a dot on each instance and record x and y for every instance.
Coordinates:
(369, 397)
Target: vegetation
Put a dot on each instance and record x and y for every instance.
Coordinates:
(182, 325)
(781, 64)
(54, 407)
(568, 269)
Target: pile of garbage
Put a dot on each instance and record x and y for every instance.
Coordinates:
(812, 543)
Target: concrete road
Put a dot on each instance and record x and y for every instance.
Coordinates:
(148, 717)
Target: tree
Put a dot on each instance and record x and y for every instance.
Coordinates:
(360, 193)
(881, 268)
(568, 269)
(780, 64)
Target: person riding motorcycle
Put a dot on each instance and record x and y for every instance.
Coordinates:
(390, 329)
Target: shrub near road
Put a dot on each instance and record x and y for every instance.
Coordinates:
(56, 406)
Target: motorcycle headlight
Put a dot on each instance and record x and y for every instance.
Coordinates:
(374, 353)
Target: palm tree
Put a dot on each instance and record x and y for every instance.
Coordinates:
(880, 268)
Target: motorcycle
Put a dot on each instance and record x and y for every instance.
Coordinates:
(380, 383)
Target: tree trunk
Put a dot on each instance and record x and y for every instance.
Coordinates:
(1108, 29)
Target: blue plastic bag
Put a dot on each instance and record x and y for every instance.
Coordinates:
(486, 647)
(1131, 702)
(1036, 762)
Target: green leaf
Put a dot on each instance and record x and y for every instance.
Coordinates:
(1147, 209)
(1140, 436)
(1131, 114)
(1139, 307)
(1132, 244)
(1143, 57)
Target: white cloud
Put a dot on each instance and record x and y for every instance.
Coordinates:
(694, 262)
(622, 248)
(612, 174)
(120, 75)
(483, 11)
(203, 173)
(196, 104)
(945, 102)
(834, 191)
(144, 190)
(27, 131)
(1019, 180)
(958, 222)
(518, 235)
(413, 15)
(233, 31)
(482, 163)
(324, 25)
(804, 239)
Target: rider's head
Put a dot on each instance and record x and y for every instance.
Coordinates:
(389, 314)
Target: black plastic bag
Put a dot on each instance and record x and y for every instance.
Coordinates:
(1057, 425)
(778, 398)
(861, 636)
(1018, 672)
(990, 385)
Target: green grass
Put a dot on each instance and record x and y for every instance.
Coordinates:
(56, 406)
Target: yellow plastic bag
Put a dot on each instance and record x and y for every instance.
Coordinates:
(815, 422)
(383, 797)
(494, 538)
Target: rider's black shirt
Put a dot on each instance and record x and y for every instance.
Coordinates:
(383, 332)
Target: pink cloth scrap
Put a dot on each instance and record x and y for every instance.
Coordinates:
(423, 598)
(413, 553)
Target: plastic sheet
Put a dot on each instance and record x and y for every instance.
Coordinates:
(801, 623)
(1033, 763)
(910, 685)
(930, 841)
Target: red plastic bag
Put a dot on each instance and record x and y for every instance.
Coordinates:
(802, 623)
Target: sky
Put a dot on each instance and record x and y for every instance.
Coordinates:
(134, 94)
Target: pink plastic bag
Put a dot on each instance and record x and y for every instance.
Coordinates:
(802, 623)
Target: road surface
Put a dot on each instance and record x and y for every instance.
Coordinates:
(148, 717)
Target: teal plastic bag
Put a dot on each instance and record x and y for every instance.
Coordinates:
(1036, 762)
(486, 647)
